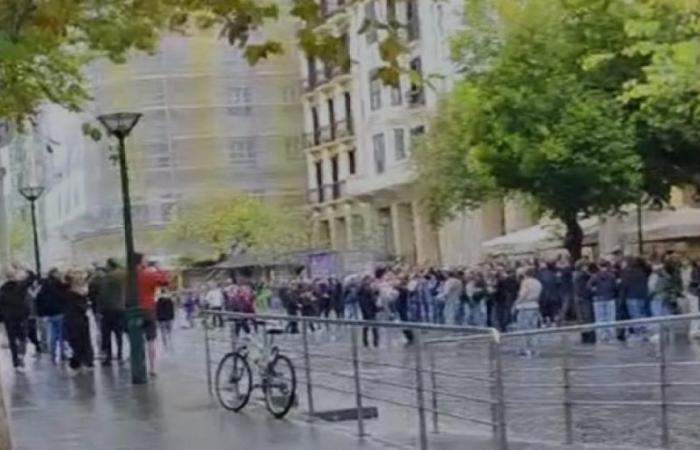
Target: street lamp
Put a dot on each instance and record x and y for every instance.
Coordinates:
(120, 125)
(32, 194)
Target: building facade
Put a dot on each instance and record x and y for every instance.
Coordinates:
(211, 125)
(359, 131)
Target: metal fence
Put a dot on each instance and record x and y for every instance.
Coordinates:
(456, 379)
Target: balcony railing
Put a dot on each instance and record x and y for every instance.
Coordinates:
(324, 76)
(327, 192)
(416, 97)
(328, 134)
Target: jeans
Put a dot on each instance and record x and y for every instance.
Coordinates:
(439, 312)
(112, 323)
(660, 308)
(529, 319)
(352, 311)
(56, 337)
(452, 312)
(637, 309)
(477, 314)
(604, 311)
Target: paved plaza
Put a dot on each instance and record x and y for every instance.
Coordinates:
(50, 409)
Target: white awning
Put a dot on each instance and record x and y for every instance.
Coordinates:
(546, 236)
(676, 224)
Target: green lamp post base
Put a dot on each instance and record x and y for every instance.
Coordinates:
(134, 320)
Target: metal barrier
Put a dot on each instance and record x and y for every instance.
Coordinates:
(453, 376)
(332, 361)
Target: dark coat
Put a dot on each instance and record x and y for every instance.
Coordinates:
(13, 299)
(51, 300)
(634, 284)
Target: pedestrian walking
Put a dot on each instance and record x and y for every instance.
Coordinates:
(149, 278)
(108, 292)
(634, 292)
(15, 312)
(76, 325)
(51, 304)
(165, 314)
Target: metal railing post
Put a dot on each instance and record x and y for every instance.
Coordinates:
(420, 398)
(663, 381)
(498, 395)
(307, 369)
(566, 382)
(207, 356)
(358, 386)
(433, 385)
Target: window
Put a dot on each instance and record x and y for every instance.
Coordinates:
(239, 95)
(241, 151)
(352, 162)
(371, 18)
(399, 144)
(396, 95)
(391, 10)
(379, 152)
(375, 92)
(412, 20)
(416, 94)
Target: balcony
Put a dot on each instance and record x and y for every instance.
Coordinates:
(416, 97)
(326, 193)
(328, 134)
(324, 76)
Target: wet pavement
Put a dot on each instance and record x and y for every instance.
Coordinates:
(103, 410)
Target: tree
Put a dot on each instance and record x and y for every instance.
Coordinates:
(45, 45)
(238, 222)
(531, 119)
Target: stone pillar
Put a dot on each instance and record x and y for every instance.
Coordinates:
(330, 216)
(347, 213)
(396, 229)
(427, 239)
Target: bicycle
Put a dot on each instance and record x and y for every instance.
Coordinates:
(276, 375)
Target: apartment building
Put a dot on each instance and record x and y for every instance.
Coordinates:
(359, 131)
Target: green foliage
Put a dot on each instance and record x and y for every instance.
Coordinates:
(236, 221)
(538, 113)
(46, 44)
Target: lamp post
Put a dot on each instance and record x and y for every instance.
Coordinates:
(119, 125)
(32, 194)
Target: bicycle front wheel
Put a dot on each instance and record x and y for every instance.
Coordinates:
(280, 386)
(234, 382)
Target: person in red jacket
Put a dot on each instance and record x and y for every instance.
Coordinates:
(149, 279)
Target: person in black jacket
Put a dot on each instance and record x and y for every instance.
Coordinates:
(50, 304)
(76, 326)
(15, 312)
(165, 315)
(634, 291)
(369, 309)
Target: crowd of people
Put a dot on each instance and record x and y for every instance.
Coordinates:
(504, 294)
(54, 313)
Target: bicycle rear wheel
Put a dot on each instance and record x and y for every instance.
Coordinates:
(234, 382)
(280, 386)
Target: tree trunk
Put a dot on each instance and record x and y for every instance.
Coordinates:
(573, 240)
